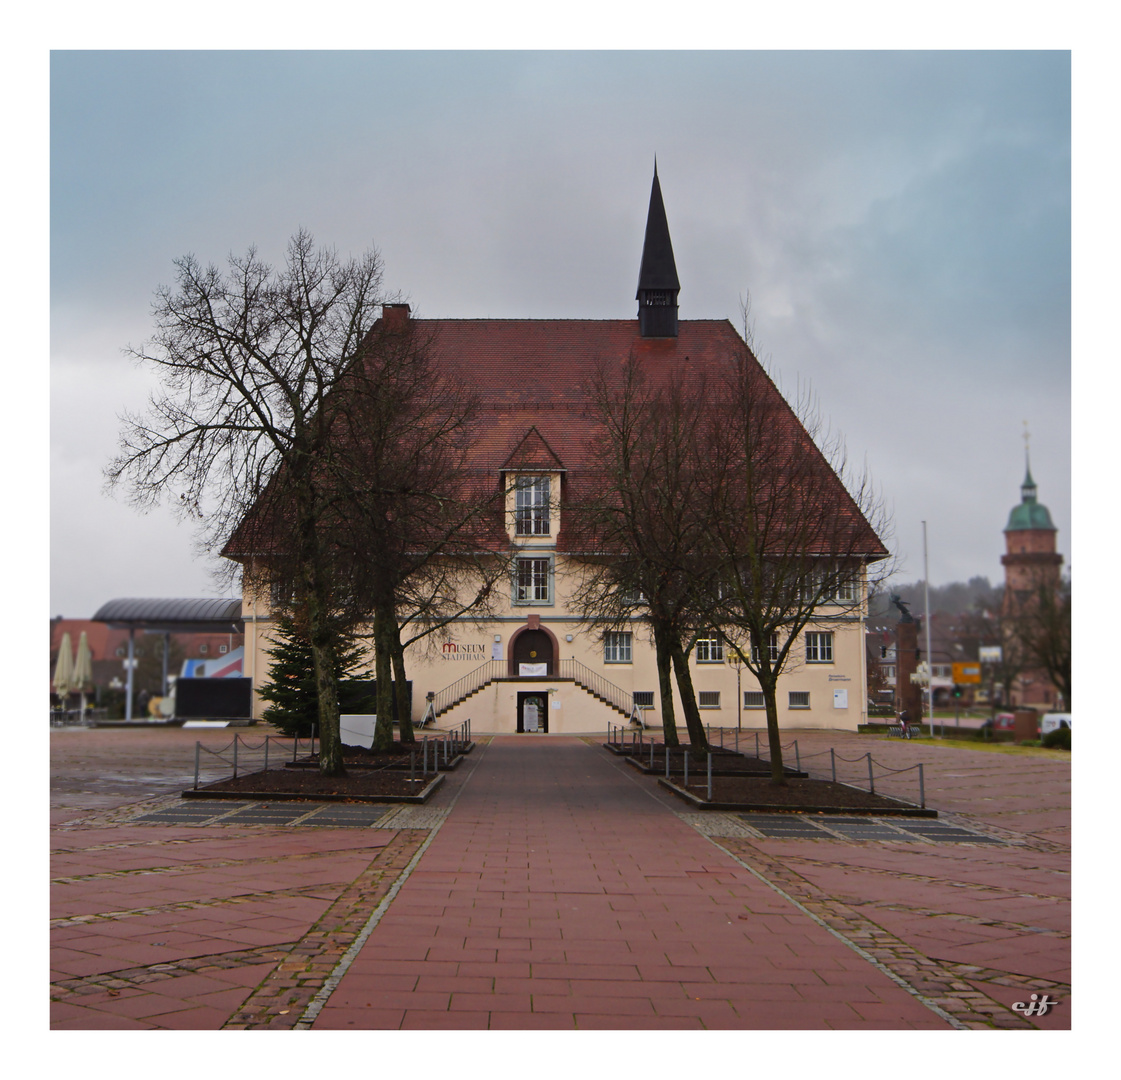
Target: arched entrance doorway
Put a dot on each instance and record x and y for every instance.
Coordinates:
(533, 652)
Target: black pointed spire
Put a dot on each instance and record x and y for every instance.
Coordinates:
(657, 276)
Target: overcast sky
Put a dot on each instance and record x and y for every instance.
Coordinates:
(902, 222)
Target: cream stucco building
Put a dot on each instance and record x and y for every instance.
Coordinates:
(532, 665)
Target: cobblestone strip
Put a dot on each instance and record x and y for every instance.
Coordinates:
(1027, 983)
(191, 868)
(941, 990)
(954, 916)
(142, 976)
(192, 905)
(280, 1000)
(926, 879)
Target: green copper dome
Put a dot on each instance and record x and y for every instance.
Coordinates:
(1030, 514)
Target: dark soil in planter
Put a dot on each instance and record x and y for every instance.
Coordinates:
(359, 757)
(797, 795)
(724, 762)
(312, 784)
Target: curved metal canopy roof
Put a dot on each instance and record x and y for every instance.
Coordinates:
(175, 616)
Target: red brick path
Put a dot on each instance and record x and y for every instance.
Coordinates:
(560, 894)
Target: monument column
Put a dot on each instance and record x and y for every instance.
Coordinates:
(908, 695)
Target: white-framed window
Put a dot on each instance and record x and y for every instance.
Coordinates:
(644, 699)
(203, 647)
(753, 699)
(710, 650)
(281, 593)
(819, 648)
(772, 650)
(942, 671)
(617, 647)
(844, 592)
(799, 699)
(531, 506)
(223, 649)
(888, 670)
(708, 699)
(533, 581)
(633, 595)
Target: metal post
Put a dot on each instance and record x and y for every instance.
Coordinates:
(131, 664)
(922, 788)
(166, 650)
(833, 763)
(710, 776)
(412, 766)
(196, 766)
(797, 758)
(424, 756)
(757, 744)
(667, 760)
(295, 745)
(651, 755)
(266, 753)
(235, 757)
(871, 778)
(686, 782)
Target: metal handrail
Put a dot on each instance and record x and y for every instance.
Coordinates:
(472, 681)
(592, 680)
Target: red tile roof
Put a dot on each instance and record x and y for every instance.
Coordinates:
(530, 376)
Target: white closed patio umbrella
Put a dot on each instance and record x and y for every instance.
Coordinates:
(64, 670)
(83, 671)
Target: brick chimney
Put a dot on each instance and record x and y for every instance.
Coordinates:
(394, 316)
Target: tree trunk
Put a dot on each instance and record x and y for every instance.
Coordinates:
(774, 741)
(404, 709)
(665, 686)
(385, 624)
(698, 741)
(326, 689)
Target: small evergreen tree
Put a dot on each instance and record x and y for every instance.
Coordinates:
(292, 686)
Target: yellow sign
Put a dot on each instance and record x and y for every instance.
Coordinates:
(966, 673)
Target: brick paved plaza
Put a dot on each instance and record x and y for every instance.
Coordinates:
(549, 886)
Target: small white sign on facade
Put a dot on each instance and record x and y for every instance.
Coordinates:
(496, 651)
(840, 699)
(533, 669)
(357, 729)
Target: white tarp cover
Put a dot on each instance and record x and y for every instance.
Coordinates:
(358, 729)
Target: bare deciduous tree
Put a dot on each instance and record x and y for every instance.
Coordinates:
(645, 515)
(793, 530)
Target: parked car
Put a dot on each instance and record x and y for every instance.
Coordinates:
(1003, 721)
(1052, 721)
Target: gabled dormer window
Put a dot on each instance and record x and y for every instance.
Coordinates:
(531, 506)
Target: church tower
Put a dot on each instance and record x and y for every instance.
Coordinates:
(657, 276)
(1030, 558)
(1031, 563)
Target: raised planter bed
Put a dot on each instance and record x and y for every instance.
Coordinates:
(365, 786)
(724, 762)
(799, 796)
(396, 760)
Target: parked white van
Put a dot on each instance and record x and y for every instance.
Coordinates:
(1052, 721)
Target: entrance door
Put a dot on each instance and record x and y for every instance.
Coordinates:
(533, 711)
(532, 648)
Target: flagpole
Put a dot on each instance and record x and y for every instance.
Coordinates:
(926, 620)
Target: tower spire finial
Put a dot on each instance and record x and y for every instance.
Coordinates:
(657, 276)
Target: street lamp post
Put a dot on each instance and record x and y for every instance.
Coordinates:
(737, 663)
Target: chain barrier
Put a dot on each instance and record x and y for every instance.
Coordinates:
(452, 742)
